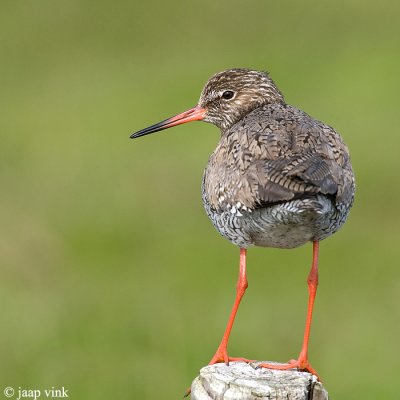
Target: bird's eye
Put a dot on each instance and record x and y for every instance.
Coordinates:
(228, 94)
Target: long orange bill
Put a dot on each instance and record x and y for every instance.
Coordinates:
(194, 114)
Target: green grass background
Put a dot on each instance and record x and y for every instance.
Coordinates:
(114, 283)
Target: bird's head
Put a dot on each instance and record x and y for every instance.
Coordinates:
(229, 95)
(226, 98)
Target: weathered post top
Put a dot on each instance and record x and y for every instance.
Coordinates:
(242, 381)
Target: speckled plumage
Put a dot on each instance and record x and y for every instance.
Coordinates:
(278, 178)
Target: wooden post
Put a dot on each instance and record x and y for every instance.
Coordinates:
(241, 381)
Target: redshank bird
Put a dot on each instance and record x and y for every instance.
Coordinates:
(278, 178)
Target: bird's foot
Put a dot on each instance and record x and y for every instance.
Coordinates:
(221, 356)
(300, 364)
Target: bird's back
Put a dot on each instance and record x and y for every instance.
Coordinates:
(278, 178)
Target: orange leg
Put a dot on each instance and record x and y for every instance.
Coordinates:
(221, 355)
(312, 281)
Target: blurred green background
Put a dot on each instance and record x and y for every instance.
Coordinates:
(114, 283)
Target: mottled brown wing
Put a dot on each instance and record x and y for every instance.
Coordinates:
(302, 157)
(294, 177)
(277, 153)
